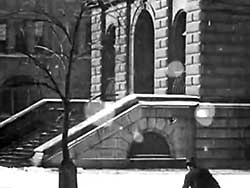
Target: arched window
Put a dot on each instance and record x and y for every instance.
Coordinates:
(144, 54)
(177, 84)
(108, 67)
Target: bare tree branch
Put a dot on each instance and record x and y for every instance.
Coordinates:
(47, 72)
(59, 56)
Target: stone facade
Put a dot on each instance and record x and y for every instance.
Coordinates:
(217, 51)
(216, 48)
(192, 47)
(215, 59)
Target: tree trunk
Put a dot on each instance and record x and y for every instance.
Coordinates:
(67, 170)
(67, 174)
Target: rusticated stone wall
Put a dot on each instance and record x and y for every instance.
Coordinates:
(225, 143)
(217, 53)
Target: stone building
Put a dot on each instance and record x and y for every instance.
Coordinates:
(21, 33)
(205, 36)
(190, 47)
(141, 52)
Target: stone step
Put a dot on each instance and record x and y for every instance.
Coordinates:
(14, 163)
(18, 153)
(145, 163)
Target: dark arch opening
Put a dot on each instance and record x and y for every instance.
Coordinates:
(108, 67)
(178, 48)
(153, 144)
(144, 54)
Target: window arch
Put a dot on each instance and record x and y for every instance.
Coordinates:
(108, 67)
(144, 54)
(178, 48)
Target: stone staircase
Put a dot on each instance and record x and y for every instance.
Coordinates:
(17, 152)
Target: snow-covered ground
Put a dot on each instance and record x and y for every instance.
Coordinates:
(48, 178)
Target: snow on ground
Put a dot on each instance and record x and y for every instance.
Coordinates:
(172, 178)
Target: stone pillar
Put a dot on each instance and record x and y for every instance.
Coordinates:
(193, 52)
(95, 53)
(161, 45)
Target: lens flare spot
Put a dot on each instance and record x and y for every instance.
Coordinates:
(138, 137)
(175, 69)
(205, 113)
(205, 148)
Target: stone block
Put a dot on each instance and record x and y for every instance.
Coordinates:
(160, 73)
(151, 123)
(193, 59)
(126, 135)
(194, 48)
(161, 33)
(121, 76)
(161, 13)
(163, 22)
(193, 38)
(135, 114)
(164, 63)
(148, 112)
(193, 90)
(108, 143)
(194, 69)
(158, 63)
(157, 5)
(105, 153)
(142, 124)
(193, 6)
(160, 90)
(157, 24)
(122, 144)
(96, 79)
(124, 120)
(86, 154)
(193, 16)
(160, 123)
(157, 83)
(193, 80)
(161, 53)
(157, 44)
(193, 27)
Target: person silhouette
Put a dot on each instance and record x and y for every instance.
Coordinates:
(198, 177)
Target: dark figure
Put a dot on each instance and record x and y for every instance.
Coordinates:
(198, 177)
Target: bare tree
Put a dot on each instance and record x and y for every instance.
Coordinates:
(64, 55)
(65, 29)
